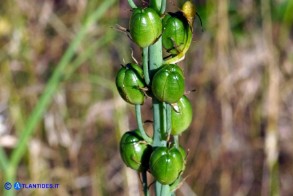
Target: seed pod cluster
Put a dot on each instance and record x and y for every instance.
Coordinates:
(148, 26)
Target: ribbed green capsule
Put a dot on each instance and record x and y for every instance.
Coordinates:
(129, 82)
(166, 164)
(145, 26)
(174, 185)
(182, 116)
(168, 83)
(134, 151)
(176, 33)
(183, 154)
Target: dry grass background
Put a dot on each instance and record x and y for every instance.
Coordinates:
(240, 141)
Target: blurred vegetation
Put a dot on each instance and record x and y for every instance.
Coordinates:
(241, 65)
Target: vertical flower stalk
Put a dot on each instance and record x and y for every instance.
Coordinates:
(162, 80)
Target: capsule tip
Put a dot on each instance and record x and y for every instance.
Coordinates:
(189, 11)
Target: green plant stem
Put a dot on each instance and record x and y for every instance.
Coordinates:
(10, 177)
(168, 118)
(156, 127)
(165, 190)
(157, 5)
(3, 160)
(163, 7)
(155, 57)
(145, 183)
(158, 188)
(155, 61)
(140, 124)
(145, 56)
(163, 121)
(132, 4)
(176, 141)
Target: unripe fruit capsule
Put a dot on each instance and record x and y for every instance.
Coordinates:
(168, 83)
(145, 26)
(134, 151)
(129, 81)
(182, 117)
(166, 164)
(176, 34)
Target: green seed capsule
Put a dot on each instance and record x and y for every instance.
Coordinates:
(176, 33)
(145, 26)
(166, 164)
(182, 117)
(129, 81)
(168, 83)
(134, 151)
(181, 150)
(176, 184)
(183, 154)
